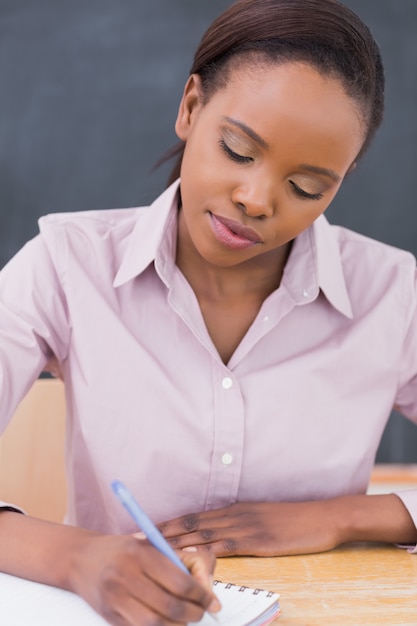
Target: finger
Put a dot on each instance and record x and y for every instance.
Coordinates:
(230, 535)
(213, 543)
(141, 610)
(201, 537)
(228, 546)
(195, 539)
(201, 566)
(140, 535)
(130, 597)
(188, 588)
(184, 524)
(216, 518)
(156, 582)
(170, 607)
(244, 546)
(125, 600)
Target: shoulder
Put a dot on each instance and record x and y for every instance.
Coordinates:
(366, 254)
(373, 269)
(352, 241)
(89, 234)
(90, 224)
(89, 243)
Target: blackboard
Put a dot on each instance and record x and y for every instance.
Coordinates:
(89, 93)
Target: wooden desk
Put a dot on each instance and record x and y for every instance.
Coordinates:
(393, 477)
(359, 585)
(356, 585)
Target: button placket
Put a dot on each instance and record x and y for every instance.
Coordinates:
(228, 440)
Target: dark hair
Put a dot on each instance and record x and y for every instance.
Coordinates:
(323, 33)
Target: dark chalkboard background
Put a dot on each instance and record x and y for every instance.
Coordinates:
(88, 98)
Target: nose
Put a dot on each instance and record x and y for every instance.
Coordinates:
(254, 198)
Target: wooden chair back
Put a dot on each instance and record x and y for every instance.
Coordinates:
(32, 472)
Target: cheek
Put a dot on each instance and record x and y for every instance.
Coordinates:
(196, 162)
(204, 160)
(301, 220)
(296, 218)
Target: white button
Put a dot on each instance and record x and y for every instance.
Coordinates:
(227, 459)
(227, 383)
(266, 318)
(305, 293)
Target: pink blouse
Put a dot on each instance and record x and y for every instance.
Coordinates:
(296, 414)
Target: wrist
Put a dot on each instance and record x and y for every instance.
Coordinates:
(373, 518)
(40, 550)
(80, 546)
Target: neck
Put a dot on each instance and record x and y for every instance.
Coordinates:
(255, 278)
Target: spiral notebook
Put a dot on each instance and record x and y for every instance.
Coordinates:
(25, 603)
(243, 606)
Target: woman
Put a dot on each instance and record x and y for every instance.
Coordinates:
(226, 352)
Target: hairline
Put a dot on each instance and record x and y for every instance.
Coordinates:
(255, 59)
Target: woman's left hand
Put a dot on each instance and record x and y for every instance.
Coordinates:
(258, 528)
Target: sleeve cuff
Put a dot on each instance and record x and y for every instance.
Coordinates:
(409, 500)
(5, 506)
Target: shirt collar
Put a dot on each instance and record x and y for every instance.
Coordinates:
(314, 263)
(153, 237)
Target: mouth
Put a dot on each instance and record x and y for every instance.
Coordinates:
(232, 233)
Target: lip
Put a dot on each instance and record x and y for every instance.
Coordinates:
(232, 233)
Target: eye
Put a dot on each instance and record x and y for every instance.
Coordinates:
(234, 156)
(304, 194)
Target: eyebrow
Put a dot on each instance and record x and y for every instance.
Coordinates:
(324, 171)
(246, 129)
(314, 169)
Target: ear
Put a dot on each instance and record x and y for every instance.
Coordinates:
(190, 104)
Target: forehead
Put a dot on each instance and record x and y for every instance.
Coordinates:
(292, 100)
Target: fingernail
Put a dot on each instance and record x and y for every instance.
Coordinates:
(190, 549)
(140, 535)
(215, 606)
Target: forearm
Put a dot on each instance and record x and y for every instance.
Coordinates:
(116, 574)
(373, 518)
(39, 550)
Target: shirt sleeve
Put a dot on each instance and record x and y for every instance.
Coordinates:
(34, 327)
(406, 398)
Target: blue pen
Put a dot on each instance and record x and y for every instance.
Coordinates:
(146, 525)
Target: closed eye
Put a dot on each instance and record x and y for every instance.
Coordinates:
(304, 194)
(234, 156)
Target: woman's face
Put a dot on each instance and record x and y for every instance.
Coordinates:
(264, 157)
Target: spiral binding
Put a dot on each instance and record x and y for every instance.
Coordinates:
(242, 588)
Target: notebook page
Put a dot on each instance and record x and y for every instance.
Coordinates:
(25, 603)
